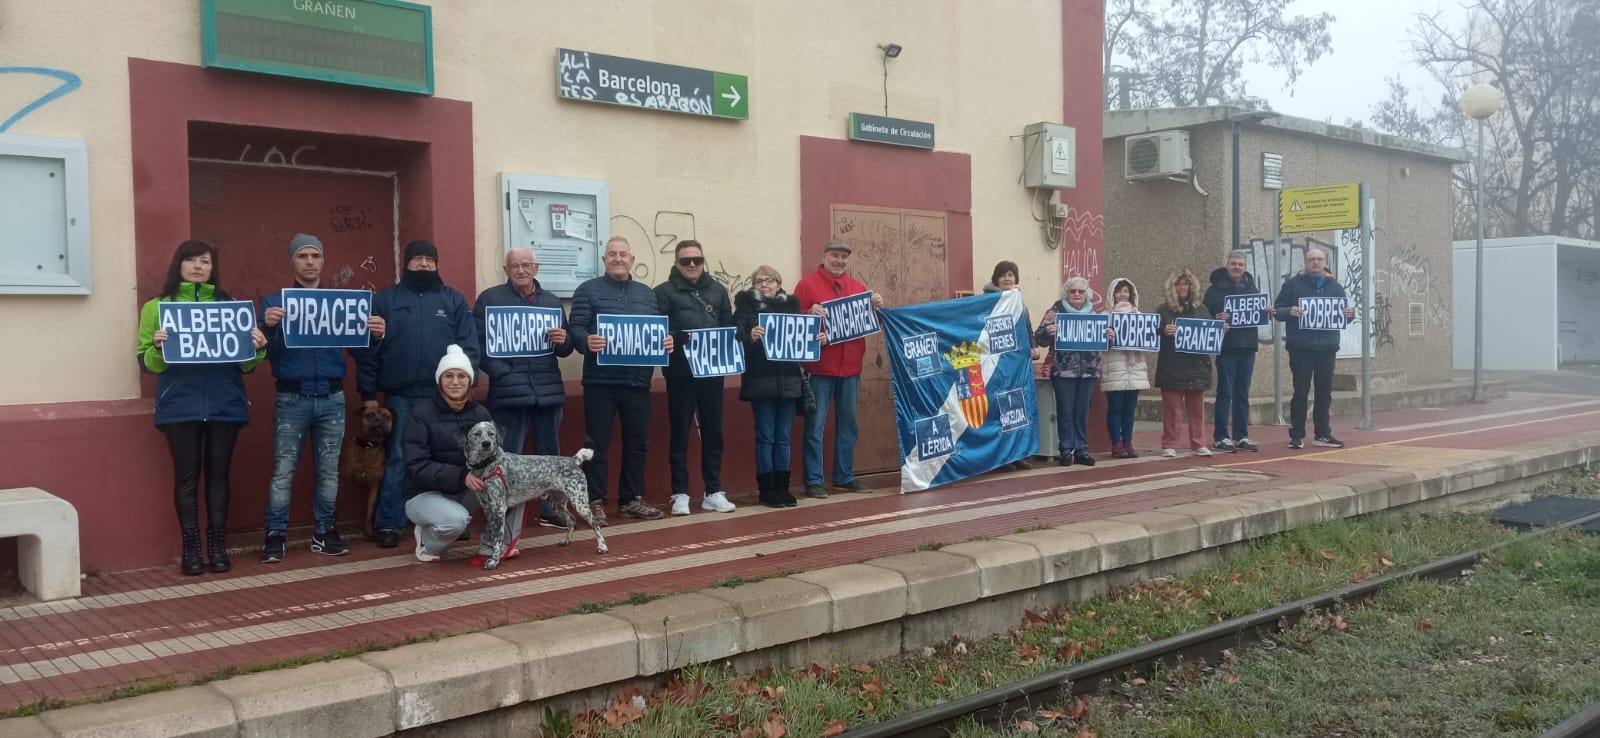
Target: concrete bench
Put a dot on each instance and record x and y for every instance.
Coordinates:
(47, 525)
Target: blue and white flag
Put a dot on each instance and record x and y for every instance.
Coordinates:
(325, 318)
(1322, 313)
(632, 340)
(850, 318)
(714, 352)
(1136, 331)
(511, 331)
(1082, 332)
(1246, 311)
(963, 397)
(207, 332)
(1198, 336)
(791, 336)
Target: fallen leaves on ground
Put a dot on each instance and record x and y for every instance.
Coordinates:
(863, 668)
(775, 725)
(1078, 709)
(1027, 654)
(833, 728)
(626, 707)
(1027, 726)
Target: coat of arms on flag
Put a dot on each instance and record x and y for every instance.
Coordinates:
(967, 359)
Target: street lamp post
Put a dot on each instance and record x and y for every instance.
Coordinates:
(1479, 102)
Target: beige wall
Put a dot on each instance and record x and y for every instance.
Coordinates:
(980, 72)
(1154, 227)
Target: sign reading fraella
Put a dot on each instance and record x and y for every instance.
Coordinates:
(581, 75)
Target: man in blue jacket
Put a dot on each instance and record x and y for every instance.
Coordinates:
(613, 391)
(1237, 362)
(423, 317)
(1311, 352)
(310, 400)
(526, 393)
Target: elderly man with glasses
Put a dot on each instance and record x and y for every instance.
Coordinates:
(692, 300)
(526, 393)
(1311, 352)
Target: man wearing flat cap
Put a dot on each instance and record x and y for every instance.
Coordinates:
(422, 318)
(836, 376)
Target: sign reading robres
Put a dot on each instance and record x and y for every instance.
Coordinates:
(372, 43)
(581, 75)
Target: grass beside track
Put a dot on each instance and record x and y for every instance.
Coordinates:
(1511, 650)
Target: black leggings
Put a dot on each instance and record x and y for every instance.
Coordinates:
(191, 443)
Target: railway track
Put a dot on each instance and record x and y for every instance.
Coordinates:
(1002, 704)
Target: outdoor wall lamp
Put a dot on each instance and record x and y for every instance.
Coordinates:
(890, 51)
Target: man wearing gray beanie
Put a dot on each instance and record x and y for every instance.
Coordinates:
(424, 317)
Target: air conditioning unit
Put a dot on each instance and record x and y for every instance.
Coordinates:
(1156, 155)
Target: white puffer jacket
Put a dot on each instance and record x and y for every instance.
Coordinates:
(1124, 370)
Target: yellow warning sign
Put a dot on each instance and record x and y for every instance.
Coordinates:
(1326, 208)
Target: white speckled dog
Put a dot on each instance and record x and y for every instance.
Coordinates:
(512, 479)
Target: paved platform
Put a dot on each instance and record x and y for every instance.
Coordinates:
(154, 626)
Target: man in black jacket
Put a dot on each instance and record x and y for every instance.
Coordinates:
(1237, 362)
(1311, 352)
(612, 391)
(691, 300)
(422, 317)
(525, 392)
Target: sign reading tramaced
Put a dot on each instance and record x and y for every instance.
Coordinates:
(1198, 336)
(325, 318)
(791, 336)
(1322, 313)
(1246, 311)
(714, 352)
(1136, 331)
(207, 332)
(632, 340)
(511, 331)
(850, 318)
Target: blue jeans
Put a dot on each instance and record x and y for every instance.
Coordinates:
(1120, 405)
(774, 422)
(840, 392)
(514, 424)
(1072, 413)
(1234, 369)
(391, 511)
(294, 416)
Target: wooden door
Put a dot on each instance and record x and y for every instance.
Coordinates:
(250, 212)
(900, 254)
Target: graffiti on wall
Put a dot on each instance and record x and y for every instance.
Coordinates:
(653, 248)
(1408, 275)
(69, 82)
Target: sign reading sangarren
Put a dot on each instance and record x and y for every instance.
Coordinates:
(372, 43)
(581, 75)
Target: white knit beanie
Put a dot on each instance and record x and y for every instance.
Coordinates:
(454, 358)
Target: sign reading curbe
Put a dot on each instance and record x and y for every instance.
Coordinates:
(371, 43)
(207, 332)
(581, 75)
(896, 131)
(791, 336)
(1327, 208)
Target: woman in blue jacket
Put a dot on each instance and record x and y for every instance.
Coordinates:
(199, 407)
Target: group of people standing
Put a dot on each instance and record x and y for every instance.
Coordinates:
(1183, 378)
(427, 354)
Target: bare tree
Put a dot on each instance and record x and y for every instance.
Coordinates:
(1192, 52)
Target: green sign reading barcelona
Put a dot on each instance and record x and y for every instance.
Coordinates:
(372, 43)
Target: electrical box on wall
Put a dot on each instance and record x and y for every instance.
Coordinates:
(566, 221)
(1050, 156)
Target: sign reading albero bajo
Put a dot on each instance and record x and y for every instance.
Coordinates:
(372, 43)
(588, 77)
(896, 131)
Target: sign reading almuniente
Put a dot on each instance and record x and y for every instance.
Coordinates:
(372, 43)
(878, 129)
(581, 75)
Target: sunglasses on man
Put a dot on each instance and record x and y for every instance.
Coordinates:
(691, 261)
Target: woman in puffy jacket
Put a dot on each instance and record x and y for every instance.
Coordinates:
(199, 407)
(771, 387)
(1072, 375)
(1122, 375)
(1183, 378)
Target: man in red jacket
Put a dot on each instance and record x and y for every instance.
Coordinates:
(836, 376)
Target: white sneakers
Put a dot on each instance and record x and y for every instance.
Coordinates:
(422, 553)
(680, 504)
(1169, 453)
(717, 502)
(1202, 451)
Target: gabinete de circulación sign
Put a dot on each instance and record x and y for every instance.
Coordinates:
(587, 77)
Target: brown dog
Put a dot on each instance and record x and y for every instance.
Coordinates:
(361, 460)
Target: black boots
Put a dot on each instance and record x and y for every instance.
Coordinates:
(768, 496)
(192, 565)
(217, 548)
(780, 487)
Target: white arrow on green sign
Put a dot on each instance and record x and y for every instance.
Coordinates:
(581, 75)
